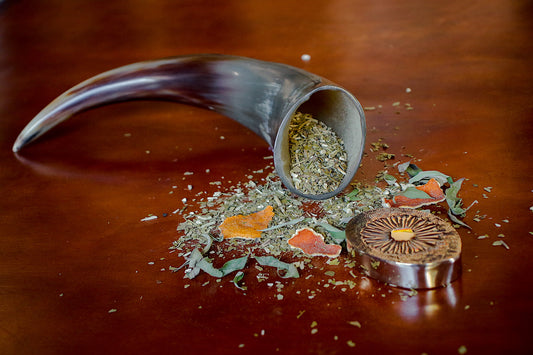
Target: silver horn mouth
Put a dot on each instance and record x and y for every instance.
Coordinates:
(261, 95)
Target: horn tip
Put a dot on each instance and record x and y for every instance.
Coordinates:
(17, 146)
(24, 139)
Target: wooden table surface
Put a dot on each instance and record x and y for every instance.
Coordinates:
(81, 273)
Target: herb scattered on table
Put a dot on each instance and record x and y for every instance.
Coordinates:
(291, 213)
(203, 245)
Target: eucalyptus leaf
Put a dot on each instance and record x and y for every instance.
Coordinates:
(389, 179)
(455, 203)
(412, 170)
(290, 269)
(338, 235)
(208, 267)
(353, 195)
(194, 257)
(457, 220)
(193, 272)
(403, 167)
(208, 244)
(414, 193)
(234, 265)
(424, 176)
(198, 263)
(238, 277)
(193, 261)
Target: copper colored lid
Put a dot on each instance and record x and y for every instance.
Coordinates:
(405, 247)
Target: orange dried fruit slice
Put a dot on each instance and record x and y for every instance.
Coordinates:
(312, 243)
(432, 188)
(247, 227)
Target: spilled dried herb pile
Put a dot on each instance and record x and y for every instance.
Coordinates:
(290, 214)
(263, 217)
(317, 155)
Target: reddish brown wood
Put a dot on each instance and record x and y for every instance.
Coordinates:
(72, 246)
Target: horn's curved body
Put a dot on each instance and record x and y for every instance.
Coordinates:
(260, 95)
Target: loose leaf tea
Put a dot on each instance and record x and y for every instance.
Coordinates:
(318, 157)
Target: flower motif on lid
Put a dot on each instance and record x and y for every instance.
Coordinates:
(400, 234)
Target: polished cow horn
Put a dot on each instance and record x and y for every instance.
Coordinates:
(262, 96)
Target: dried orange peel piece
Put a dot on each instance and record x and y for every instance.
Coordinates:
(312, 243)
(432, 188)
(247, 227)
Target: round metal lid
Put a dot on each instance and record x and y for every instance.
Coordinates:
(405, 247)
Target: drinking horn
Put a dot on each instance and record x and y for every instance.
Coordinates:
(261, 95)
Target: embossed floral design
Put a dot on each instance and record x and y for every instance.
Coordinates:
(417, 234)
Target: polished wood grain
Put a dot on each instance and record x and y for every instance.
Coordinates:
(72, 246)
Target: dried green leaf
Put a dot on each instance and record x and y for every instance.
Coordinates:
(238, 277)
(413, 193)
(389, 179)
(233, 265)
(198, 263)
(194, 258)
(403, 167)
(208, 244)
(290, 269)
(457, 220)
(336, 234)
(453, 201)
(352, 196)
(423, 177)
(411, 169)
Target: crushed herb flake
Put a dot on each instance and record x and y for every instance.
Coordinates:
(318, 159)
(385, 156)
